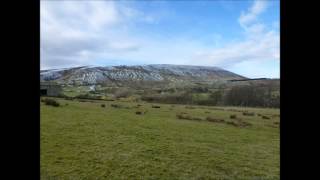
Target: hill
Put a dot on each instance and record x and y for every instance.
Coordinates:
(145, 74)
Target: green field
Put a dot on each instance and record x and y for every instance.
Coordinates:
(82, 140)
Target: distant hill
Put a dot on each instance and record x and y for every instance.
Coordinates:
(144, 74)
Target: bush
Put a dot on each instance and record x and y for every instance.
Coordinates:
(232, 123)
(69, 98)
(214, 120)
(103, 105)
(242, 123)
(122, 93)
(265, 117)
(141, 112)
(173, 98)
(51, 102)
(115, 105)
(154, 106)
(233, 116)
(196, 118)
(190, 107)
(182, 116)
(248, 113)
(88, 96)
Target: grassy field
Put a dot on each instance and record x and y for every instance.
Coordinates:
(82, 140)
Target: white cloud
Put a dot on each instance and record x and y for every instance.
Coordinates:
(259, 44)
(78, 32)
(258, 7)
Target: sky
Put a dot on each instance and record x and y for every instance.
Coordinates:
(241, 36)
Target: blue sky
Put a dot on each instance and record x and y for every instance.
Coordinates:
(240, 36)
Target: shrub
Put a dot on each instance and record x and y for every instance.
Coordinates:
(248, 113)
(190, 107)
(232, 123)
(183, 116)
(196, 118)
(211, 119)
(172, 98)
(207, 112)
(244, 124)
(122, 93)
(69, 98)
(265, 117)
(87, 96)
(276, 115)
(239, 123)
(233, 116)
(154, 106)
(51, 102)
(115, 105)
(103, 105)
(219, 109)
(141, 112)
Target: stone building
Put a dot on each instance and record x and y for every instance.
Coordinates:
(50, 89)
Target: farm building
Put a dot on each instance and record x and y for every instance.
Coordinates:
(50, 89)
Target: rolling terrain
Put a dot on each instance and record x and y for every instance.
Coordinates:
(126, 75)
(81, 139)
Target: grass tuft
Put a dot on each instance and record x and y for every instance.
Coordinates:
(51, 102)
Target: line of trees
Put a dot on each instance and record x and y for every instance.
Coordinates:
(248, 95)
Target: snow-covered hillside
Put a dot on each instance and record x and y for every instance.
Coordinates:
(144, 73)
